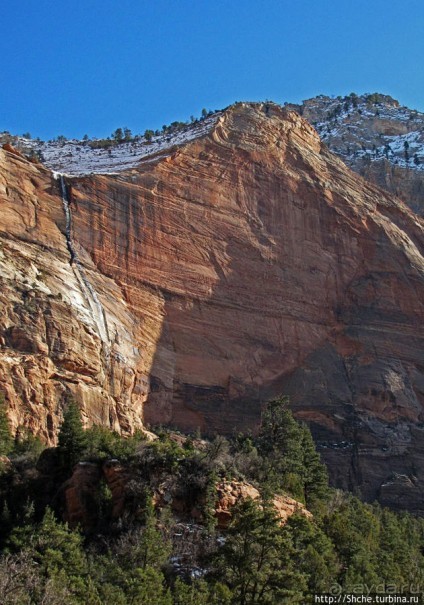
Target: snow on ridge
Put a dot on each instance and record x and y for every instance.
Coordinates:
(362, 132)
(356, 129)
(76, 158)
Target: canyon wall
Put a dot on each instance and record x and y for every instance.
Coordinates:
(245, 264)
(51, 348)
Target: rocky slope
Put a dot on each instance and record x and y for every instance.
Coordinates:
(78, 494)
(376, 137)
(246, 263)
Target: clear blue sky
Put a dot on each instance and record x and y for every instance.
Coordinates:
(88, 66)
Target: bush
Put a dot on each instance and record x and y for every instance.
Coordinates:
(102, 443)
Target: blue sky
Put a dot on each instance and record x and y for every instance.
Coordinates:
(88, 66)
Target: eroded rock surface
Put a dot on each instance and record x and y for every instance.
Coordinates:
(377, 137)
(248, 263)
(232, 493)
(50, 347)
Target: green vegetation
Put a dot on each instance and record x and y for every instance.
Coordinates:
(124, 135)
(256, 561)
(72, 440)
(6, 439)
(148, 135)
(139, 544)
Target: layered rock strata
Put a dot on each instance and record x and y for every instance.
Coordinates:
(247, 263)
(51, 348)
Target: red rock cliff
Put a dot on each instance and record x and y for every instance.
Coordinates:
(52, 346)
(248, 263)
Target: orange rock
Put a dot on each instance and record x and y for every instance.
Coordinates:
(252, 263)
(50, 347)
(79, 496)
(8, 147)
(231, 493)
(117, 478)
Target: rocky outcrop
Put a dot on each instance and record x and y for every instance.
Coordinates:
(375, 136)
(81, 496)
(248, 263)
(232, 493)
(404, 181)
(83, 501)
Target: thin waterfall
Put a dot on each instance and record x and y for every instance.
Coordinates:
(90, 294)
(68, 217)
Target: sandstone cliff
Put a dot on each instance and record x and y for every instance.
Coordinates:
(51, 346)
(246, 263)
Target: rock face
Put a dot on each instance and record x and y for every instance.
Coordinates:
(375, 136)
(51, 350)
(247, 263)
(231, 493)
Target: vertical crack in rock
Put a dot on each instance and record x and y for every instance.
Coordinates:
(89, 293)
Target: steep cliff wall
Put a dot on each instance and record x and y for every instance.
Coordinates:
(51, 348)
(251, 262)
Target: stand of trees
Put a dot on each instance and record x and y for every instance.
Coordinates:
(143, 556)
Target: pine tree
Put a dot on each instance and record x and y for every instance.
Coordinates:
(118, 135)
(406, 152)
(127, 134)
(280, 432)
(280, 443)
(153, 550)
(143, 547)
(53, 545)
(148, 135)
(255, 561)
(195, 593)
(354, 529)
(315, 476)
(147, 587)
(313, 553)
(72, 440)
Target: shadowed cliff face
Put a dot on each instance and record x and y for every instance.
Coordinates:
(252, 263)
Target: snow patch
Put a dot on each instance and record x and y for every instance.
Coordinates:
(77, 158)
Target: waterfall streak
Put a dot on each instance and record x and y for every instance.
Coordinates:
(96, 309)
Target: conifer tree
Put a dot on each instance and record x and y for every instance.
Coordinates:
(72, 440)
(144, 546)
(255, 561)
(153, 550)
(57, 553)
(315, 476)
(147, 587)
(313, 553)
(195, 593)
(280, 443)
